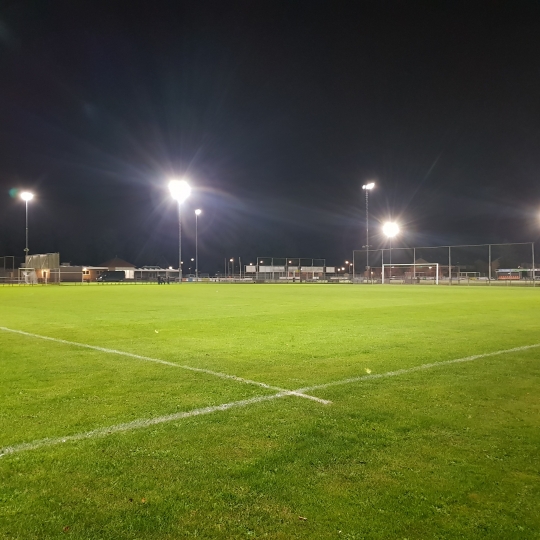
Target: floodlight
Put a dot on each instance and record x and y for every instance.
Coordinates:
(391, 229)
(180, 190)
(231, 260)
(26, 196)
(367, 188)
(197, 214)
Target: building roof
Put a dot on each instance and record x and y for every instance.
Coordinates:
(117, 263)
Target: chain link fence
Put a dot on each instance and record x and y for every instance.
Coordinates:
(481, 264)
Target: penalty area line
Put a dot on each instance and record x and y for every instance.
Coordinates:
(166, 363)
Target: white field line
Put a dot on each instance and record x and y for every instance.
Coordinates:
(416, 368)
(142, 423)
(136, 424)
(164, 362)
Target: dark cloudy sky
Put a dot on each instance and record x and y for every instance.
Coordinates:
(277, 112)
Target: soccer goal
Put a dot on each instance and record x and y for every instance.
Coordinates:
(412, 273)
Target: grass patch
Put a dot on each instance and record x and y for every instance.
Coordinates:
(450, 452)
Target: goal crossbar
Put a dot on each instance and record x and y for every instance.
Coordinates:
(415, 266)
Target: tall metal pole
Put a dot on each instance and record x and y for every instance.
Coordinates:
(367, 230)
(26, 248)
(489, 264)
(390, 278)
(179, 244)
(196, 248)
(449, 265)
(534, 270)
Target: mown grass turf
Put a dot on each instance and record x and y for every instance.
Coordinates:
(451, 452)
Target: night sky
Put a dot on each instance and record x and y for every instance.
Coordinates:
(277, 113)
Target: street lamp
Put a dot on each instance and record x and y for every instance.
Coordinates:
(26, 196)
(180, 191)
(367, 188)
(232, 267)
(390, 229)
(197, 214)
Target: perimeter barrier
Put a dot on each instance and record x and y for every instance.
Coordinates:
(481, 264)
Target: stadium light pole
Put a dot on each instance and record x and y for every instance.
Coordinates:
(180, 191)
(197, 214)
(390, 229)
(26, 196)
(367, 188)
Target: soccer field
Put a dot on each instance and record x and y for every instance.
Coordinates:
(269, 411)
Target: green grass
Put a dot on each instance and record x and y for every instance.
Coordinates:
(449, 452)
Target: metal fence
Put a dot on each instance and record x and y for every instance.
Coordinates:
(460, 264)
(481, 264)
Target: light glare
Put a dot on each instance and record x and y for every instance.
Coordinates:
(198, 212)
(391, 229)
(180, 190)
(369, 186)
(27, 196)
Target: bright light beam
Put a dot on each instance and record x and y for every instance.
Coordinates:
(180, 190)
(390, 229)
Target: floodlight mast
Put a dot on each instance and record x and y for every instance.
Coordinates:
(26, 196)
(390, 229)
(180, 191)
(367, 188)
(197, 214)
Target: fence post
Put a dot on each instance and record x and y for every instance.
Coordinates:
(534, 271)
(489, 265)
(449, 265)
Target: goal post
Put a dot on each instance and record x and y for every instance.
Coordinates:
(426, 270)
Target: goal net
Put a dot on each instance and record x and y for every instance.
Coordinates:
(28, 276)
(411, 273)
